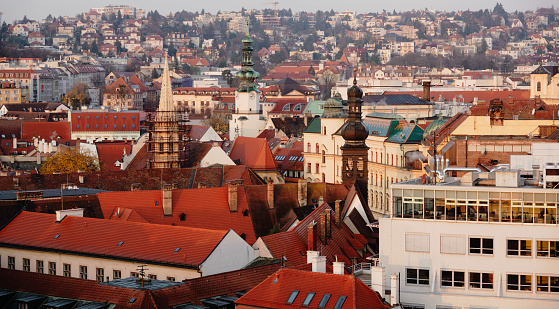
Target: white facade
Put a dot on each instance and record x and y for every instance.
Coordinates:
(472, 246)
(216, 155)
(246, 120)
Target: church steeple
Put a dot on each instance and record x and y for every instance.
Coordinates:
(247, 75)
(166, 106)
(354, 151)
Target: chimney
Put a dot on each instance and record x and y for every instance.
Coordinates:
(270, 193)
(76, 212)
(427, 91)
(302, 192)
(394, 290)
(319, 264)
(135, 186)
(232, 188)
(338, 214)
(323, 228)
(14, 142)
(312, 237)
(378, 277)
(311, 255)
(511, 99)
(203, 185)
(338, 268)
(167, 192)
(328, 223)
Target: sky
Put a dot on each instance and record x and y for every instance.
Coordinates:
(39, 9)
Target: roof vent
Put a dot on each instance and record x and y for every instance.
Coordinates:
(57, 235)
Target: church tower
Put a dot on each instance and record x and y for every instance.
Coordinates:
(164, 139)
(246, 116)
(354, 151)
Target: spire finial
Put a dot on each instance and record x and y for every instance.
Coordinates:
(248, 27)
(354, 76)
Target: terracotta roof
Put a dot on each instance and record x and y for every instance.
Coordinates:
(276, 290)
(193, 203)
(468, 96)
(47, 130)
(110, 152)
(105, 121)
(253, 152)
(99, 237)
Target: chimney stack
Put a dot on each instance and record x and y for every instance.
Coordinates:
(312, 237)
(14, 142)
(328, 223)
(203, 185)
(338, 214)
(319, 264)
(167, 192)
(394, 290)
(427, 91)
(311, 255)
(302, 192)
(323, 229)
(232, 187)
(76, 212)
(338, 268)
(270, 193)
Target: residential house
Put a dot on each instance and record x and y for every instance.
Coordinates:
(95, 124)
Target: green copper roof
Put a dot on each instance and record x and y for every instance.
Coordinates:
(405, 133)
(433, 126)
(379, 127)
(314, 126)
(313, 108)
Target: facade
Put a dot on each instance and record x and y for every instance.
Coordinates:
(10, 94)
(544, 84)
(486, 240)
(94, 124)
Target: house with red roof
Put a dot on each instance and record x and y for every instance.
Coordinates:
(123, 95)
(291, 288)
(104, 124)
(36, 37)
(69, 245)
(255, 153)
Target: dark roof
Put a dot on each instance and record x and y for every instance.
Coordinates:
(291, 126)
(396, 99)
(288, 84)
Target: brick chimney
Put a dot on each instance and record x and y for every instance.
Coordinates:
(338, 214)
(323, 226)
(270, 193)
(312, 237)
(167, 197)
(302, 192)
(328, 223)
(203, 185)
(232, 187)
(427, 91)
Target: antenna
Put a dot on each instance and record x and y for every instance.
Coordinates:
(142, 272)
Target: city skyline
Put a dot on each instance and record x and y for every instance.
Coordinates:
(34, 9)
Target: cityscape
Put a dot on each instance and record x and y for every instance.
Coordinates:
(273, 158)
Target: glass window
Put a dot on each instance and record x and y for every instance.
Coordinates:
(481, 280)
(417, 276)
(340, 302)
(100, 273)
(292, 297)
(324, 300)
(39, 268)
(547, 248)
(117, 274)
(308, 299)
(83, 272)
(52, 268)
(451, 278)
(11, 262)
(517, 282)
(519, 247)
(481, 245)
(548, 284)
(67, 270)
(26, 264)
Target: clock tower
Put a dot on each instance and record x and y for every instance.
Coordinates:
(246, 116)
(354, 151)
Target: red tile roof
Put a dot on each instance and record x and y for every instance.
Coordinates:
(105, 121)
(47, 130)
(275, 291)
(253, 152)
(110, 152)
(99, 237)
(193, 203)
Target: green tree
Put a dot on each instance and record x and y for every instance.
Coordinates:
(77, 96)
(70, 161)
(218, 122)
(94, 48)
(154, 73)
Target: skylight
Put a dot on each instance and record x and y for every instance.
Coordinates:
(292, 297)
(324, 300)
(120, 243)
(309, 298)
(340, 302)
(177, 250)
(57, 235)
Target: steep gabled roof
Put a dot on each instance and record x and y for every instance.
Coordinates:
(253, 152)
(276, 290)
(99, 237)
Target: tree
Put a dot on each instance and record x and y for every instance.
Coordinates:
(326, 81)
(77, 96)
(94, 48)
(227, 76)
(154, 73)
(218, 122)
(70, 161)
(311, 71)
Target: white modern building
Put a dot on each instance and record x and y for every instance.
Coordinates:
(486, 240)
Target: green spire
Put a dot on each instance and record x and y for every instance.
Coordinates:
(247, 75)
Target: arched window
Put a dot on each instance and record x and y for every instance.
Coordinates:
(380, 157)
(323, 157)
(317, 148)
(308, 147)
(539, 86)
(323, 177)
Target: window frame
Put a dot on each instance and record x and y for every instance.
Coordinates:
(11, 262)
(519, 249)
(550, 253)
(482, 247)
(52, 268)
(39, 267)
(480, 283)
(520, 285)
(549, 287)
(26, 265)
(417, 277)
(100, 274)
(67, 270)
(454, 283)
(83, 272)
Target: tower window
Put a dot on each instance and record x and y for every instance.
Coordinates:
(539, 86)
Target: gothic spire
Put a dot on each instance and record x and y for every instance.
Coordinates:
(166, 100)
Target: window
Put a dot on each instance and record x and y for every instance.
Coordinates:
(172, 279)
(323, 157)
(417, 276)
(324, 300)
(451, 278)
(308, 299)
(317, 148)
(340, 302)
(117, 274)
(539, 86)
(548, 284)
(517, 282)
(548, 248)
(453, 244)
(481, 245)
(152, 277)
(416, 242)
(317, 168)
(292, 297)
(519, 247)
(83, 272)
(308, 167)
(52, 268)
(39, 269)
(99, 274)
(26, 264)
(11, 262)
(481, 280)
(134, 274)
(67, 270)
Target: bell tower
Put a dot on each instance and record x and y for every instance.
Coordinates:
(354, 151)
